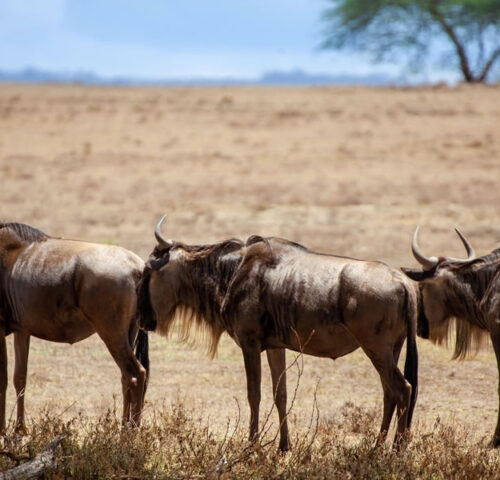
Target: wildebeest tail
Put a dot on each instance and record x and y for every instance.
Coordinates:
(142, 353)
(411, 362)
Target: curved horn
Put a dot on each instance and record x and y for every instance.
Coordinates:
(471, 255)
(427, 262)
(162, 242)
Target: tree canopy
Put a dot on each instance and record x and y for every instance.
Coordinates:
(388, 27)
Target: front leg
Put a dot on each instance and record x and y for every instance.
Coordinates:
(21, 349)
(3, 377)
(251, 355)
(277, 364)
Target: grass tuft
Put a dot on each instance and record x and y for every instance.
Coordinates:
(178, 443)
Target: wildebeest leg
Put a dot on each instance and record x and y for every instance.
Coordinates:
(389, 401)
(251, 356)
(395, 384)
(277, 364)
(3, 378)
(127, 398)
(133, 377)
(21, 349)
(495, 339)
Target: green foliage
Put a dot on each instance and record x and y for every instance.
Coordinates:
(389, 27)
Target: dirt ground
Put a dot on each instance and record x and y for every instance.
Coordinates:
(342, 170)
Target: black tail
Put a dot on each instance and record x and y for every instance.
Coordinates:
(411, 362)
(142, 353)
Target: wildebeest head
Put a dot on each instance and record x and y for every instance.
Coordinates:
(147, 288)
(446, 296)
(188, 283)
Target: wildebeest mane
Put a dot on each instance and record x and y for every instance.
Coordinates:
(472, 282)
(209, 271)
(25, 232)
(281, 312)
(480, 275)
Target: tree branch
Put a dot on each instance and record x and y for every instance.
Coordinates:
(489, 64)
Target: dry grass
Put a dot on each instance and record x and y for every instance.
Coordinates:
(177, 443)
(344, 170)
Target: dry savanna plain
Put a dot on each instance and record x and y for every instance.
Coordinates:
(344, 170)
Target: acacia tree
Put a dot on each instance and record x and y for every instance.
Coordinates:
(389, 27)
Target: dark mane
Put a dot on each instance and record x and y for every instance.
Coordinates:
(479, 273)
(471, 285)
(211, 268)
(25, 232)
(203, 251)
(492, 257)
(289, 242)
(208, 263)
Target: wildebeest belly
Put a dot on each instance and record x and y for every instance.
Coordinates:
(64, 324)
(51, 312)
(332, 341)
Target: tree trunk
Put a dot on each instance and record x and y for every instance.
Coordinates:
(461, 53)
(35, 467)
(489, 64)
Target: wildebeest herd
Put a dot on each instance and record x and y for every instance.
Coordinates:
(266, 293)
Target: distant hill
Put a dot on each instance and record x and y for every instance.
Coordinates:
(292, 77)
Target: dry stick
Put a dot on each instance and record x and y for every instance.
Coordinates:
(228, 439)
(300, 370)
(36, 467)
(314, 417)
(248, 450)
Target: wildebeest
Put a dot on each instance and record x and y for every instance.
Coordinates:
(271, 294)
(64, 291)
(462, 293)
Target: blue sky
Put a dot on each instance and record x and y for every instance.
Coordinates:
(158, 39)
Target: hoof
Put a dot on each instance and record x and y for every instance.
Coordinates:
(495, 443)
(284, 448)
(21, 430)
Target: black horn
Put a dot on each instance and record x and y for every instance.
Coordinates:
(427, 262)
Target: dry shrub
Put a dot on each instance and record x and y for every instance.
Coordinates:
(178, 444)
(355, 419)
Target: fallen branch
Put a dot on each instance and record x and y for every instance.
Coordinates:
(35, 467)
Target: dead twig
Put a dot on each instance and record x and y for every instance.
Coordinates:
(35, 467)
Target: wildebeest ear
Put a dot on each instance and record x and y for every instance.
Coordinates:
(155, 263)
(417, 274)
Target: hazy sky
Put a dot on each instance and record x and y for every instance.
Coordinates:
(171, 38)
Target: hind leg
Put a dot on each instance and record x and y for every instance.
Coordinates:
(21, 348)
(396, 391)
(3, 378)
(389, 400)
(127, 397)
(133, 377)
